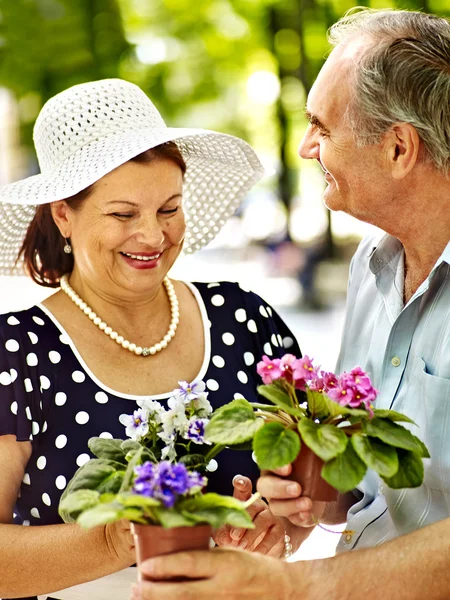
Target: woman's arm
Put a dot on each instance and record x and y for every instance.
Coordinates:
(44, 559)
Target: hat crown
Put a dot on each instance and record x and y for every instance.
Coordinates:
(88, 113)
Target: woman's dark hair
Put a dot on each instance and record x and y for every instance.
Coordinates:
(43, 247)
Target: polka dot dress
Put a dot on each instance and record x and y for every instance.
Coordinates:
(49, 396)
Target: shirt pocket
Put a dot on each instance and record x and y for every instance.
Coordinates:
(427, 402)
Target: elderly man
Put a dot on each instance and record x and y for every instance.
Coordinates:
(380, 129)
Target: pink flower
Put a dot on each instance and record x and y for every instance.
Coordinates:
(330, 380)
(354, 389)
(304, 371)
(269, 370)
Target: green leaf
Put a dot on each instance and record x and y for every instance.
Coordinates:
(73, 504)
(216, 510)
(233, 423)
(410, 471)
(392, 434)
(275, 446)
(170, 517)
(112, 484)
(280, 398)
(392, 415)
(424, 453)
(317, 404)
(100, 515)
(129, 446)
(377, 455)
(134, 500)
(108, 449)
(345, 471)
(90, 476)
(327, 441)
(193, 461)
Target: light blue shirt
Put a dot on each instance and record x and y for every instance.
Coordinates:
(406, 351)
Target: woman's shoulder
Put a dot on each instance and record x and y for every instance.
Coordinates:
(220, 293)
(25, 328)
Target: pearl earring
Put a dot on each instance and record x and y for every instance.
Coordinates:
(67, 248)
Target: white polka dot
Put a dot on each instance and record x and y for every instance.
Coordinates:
(33, 337)
(38, 321)
(44, 427)
(211, 285)
(64, 338)
(218, 361)
(61, 441)
(5, 378)
(78, 376)
(228, 339)
(288, 342)
(25, 523)
(32, 359)
(263, 312)
(249, 359)
(212, 385)
(269, 311)
(241, 315)
(254, 457)
(60, 482)
(13, 375)
(274, 340)
(41, 463)
(46, 499)
(280, 339)
(26, 479)
(242, 376)
(218, 300)
(106, 435)
(28, 413)
(12, 321)
(83, 459)
(35, 428)
(54, 356)
(252, 326)
(268, 349)
(14, 408)
(45, 382)
(12, 345)
(82, 417)
(28, 385)
(212, 465)
(60, 398)
(238, 396)
(101, 397)
(35, 513)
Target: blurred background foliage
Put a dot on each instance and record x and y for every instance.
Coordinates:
(240, 66)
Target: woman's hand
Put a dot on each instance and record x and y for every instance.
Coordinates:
(285, 498)
(120, 542)
(268, 535)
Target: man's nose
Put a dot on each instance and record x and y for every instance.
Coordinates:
(308, 148)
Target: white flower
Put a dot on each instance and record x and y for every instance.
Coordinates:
(154, 410)
(136, 424)
(202, 405)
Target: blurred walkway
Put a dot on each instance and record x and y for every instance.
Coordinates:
(317, 332)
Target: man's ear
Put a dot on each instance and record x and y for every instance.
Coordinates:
(61, 214)
(403, 146)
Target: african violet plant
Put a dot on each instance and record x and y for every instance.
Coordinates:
(332, 415)
(157, 475)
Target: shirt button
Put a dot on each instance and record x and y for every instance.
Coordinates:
(348, 538)
(395, 361)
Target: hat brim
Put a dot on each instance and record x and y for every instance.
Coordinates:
(220, 171)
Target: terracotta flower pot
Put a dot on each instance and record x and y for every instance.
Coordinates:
(306, 470)
(154, 540)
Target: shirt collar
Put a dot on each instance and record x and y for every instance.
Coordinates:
(389, 247)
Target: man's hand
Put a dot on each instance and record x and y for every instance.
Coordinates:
(285, 499)
(268, 535)
(220, 574)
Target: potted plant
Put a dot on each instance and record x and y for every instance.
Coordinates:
(325, 425)
(156, 478)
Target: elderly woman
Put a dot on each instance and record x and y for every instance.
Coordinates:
(119, 197)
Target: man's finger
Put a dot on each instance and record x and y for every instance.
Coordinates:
(270, 486)
(197, 564)
(282, 471)
(286, 508)
(243, 487)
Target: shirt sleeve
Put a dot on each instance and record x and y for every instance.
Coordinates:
(20, 399)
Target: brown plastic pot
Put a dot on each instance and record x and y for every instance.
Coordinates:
(306, 470)
(154, 540)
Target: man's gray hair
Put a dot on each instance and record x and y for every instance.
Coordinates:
(404, 76)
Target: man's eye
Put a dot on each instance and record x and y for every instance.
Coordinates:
(169, 211)
(122, 215)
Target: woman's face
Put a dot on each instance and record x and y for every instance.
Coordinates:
(129, 231)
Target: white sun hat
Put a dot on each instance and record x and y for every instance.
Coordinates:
(90, 129)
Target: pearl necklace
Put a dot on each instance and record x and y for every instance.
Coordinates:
(119, 339)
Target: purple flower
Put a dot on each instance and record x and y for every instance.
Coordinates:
(269, 370)
(196, 430)
(190, 391)
(136, 424)
(166, 482)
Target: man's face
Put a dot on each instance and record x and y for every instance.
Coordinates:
(356, 177)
